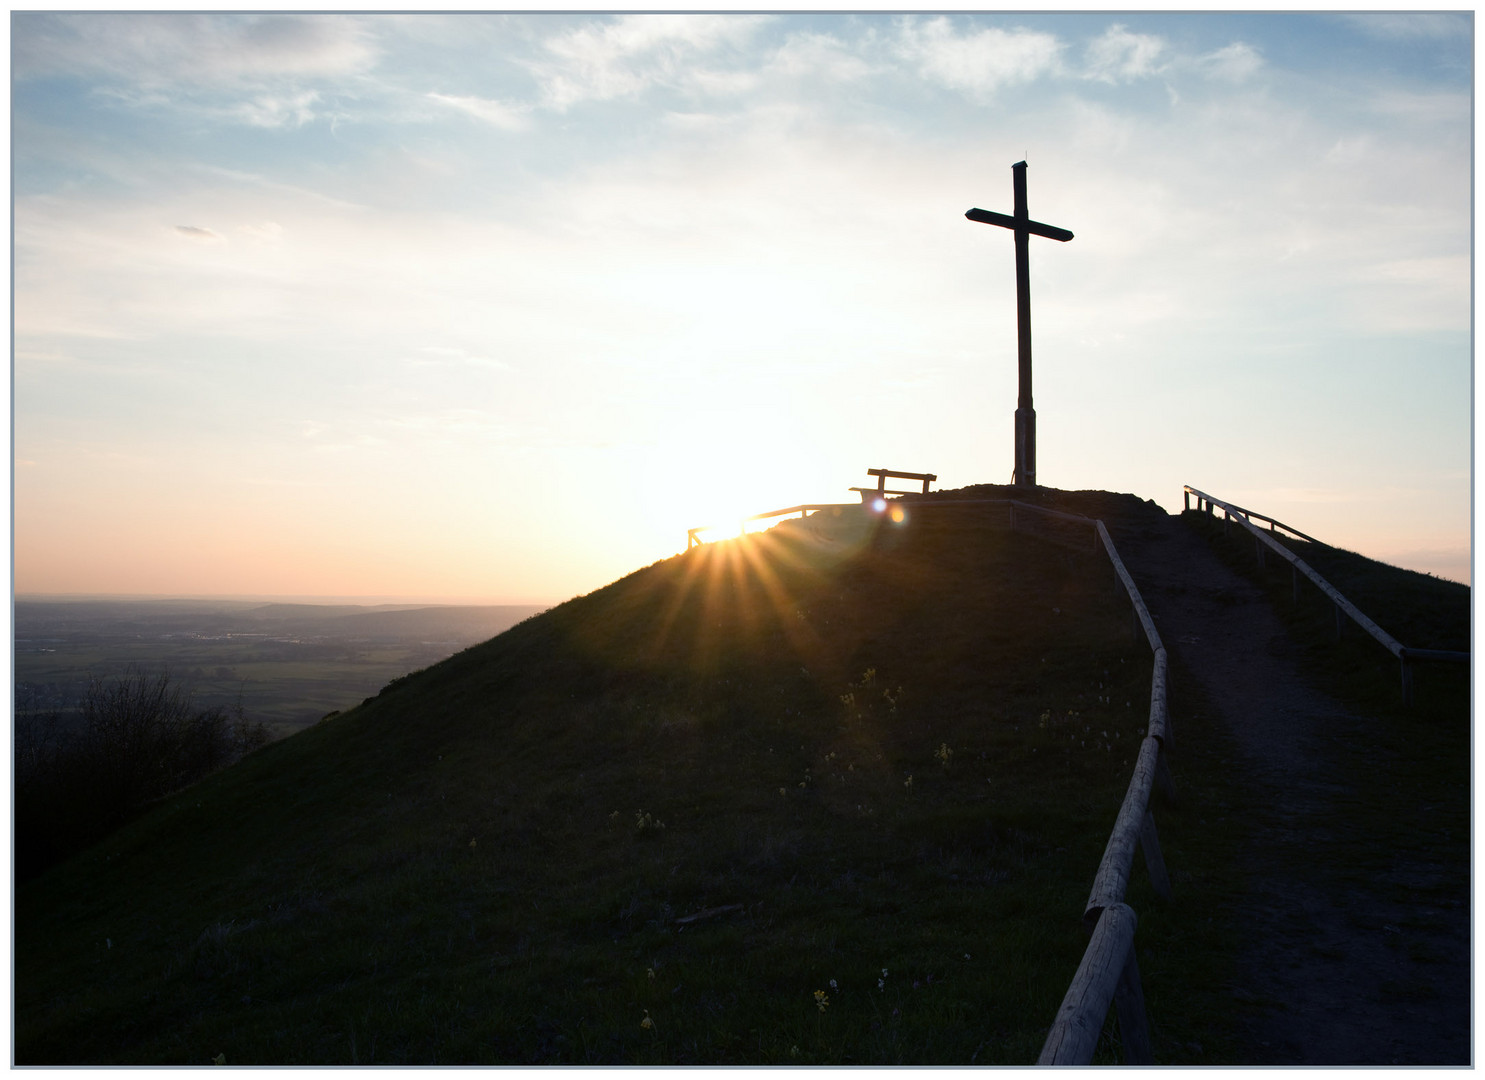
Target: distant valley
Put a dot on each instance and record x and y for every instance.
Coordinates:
(285, 664)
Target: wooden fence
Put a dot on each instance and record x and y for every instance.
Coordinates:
(1109, 971)
(1266, 540)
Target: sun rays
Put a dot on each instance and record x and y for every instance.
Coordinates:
(755, 584)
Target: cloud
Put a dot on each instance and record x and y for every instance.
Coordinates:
(624, 56)
(980, 62)
(496, 113)
(195, 232)
(819, 55)
(153, 50)
(275, 111)
(1119, 55)
(1232, 63)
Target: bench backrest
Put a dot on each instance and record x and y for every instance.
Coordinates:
(882, 474)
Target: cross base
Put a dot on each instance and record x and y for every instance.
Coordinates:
(1025, 474)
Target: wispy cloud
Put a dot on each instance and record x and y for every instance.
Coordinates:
(1233, 63)
(1119, 55)
(823, 56)
(496, 113)
(978, 62)
(195, 232)
(624, 56)
(278, 110)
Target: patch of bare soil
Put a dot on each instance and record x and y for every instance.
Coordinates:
(1339, 966)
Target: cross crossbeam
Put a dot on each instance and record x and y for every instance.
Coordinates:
(1006, 221)
(1021, 224)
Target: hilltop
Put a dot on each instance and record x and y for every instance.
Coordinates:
(833, 793)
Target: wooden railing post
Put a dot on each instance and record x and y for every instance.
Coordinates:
(1163, 782)
(1129, 1002)
(1154, 861)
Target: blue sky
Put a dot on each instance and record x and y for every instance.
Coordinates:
(496, 307)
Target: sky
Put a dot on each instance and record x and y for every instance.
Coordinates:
(493, 308)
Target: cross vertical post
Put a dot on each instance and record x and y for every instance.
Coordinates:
(1025, 474)
(1022, 226)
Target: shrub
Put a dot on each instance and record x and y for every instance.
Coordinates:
(137, 738)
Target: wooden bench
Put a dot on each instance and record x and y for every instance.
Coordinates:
(882, 490)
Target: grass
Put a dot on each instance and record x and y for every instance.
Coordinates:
(901, 753)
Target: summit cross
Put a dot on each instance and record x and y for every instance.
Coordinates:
(1023, 226)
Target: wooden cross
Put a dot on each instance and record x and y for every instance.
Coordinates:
(1023, 226)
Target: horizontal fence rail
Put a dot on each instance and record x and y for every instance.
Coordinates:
(1202, 497)
(693, 538)
(803, 510)
(1406, 656)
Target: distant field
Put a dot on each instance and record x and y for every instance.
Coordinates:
(286, 664)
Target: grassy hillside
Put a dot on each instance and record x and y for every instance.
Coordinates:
(817, 795)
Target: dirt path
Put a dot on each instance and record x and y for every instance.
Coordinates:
(1342, 968)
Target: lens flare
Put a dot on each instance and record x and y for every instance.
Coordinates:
(898, 515)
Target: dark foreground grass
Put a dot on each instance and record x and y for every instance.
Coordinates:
(878, 771)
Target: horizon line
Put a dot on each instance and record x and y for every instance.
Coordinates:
(371, 599)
